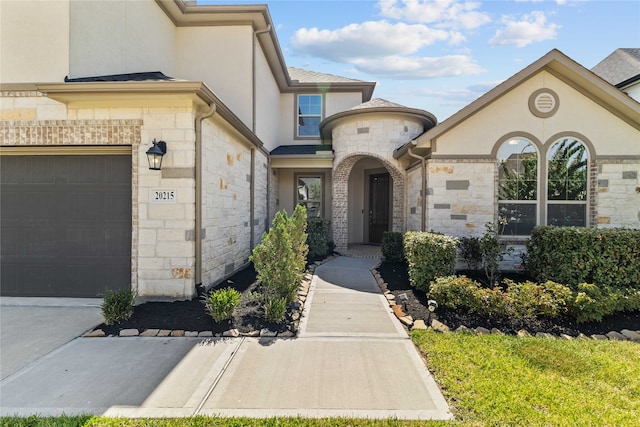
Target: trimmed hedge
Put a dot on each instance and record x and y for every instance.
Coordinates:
(574, 255)
(392, 246)
(429, 255)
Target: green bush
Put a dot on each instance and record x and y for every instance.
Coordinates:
(280, 259)
(392, 247)
(117, 306)
(592, 303)
(221, 303)
(530, 300)
(318, 238)
(429, 255)
(574, 255)
(455, 292)
(471, 252)
(275, 309)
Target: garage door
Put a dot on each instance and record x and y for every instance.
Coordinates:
(65, 225)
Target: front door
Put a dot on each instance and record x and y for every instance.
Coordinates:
(378, 206)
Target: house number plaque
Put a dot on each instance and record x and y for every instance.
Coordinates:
(163, 195)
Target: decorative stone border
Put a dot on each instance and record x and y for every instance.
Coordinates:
(303, 291)
(411, 324)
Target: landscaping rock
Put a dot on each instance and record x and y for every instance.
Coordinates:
(191, 334)
(582, 336)
(390, 297)
(205, 334)
(616, 336)
(150, 332)
(406, 320)
(545, 335)
(566, 337)
(95, 334)
(397, 310)
(231, 333)
(251, 334)
(419, 324)
(295, 315)
(129, 333)
(177, 333)
(164, 333)
(496, 331)
(439, 326)
(523, 333)
(482, 331)
(631, 335)
(266, 333)
(463, 329)
(286, 334)
(599, 337)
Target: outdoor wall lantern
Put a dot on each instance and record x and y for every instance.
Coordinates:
(155, 153)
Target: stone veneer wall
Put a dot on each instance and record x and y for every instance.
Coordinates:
(618, 197)
(461, 195)
(368, 135)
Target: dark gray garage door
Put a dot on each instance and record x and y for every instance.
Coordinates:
(65, 225)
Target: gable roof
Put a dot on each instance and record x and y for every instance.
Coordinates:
(562, 67)
(307, 76)
(621, 67)
(129, 77)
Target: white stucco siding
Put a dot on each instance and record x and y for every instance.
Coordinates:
(221, 57)
(336, 102)
(479, 133)
(33, 33)
(226, 201)
(102, 33)
(267, 103)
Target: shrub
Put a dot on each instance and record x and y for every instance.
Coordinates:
(392, 246)
(117, 306)
(429, 255)
(530, 300)
(592, 303)
(470, 252)
(575, 255)
(492, 251)
(275, 309)
(318, 238)
(221, 303)
(455, 292)
(280, 259)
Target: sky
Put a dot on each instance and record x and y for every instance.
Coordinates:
(441, 55)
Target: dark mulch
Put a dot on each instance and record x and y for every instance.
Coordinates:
(397, 279)
(191, 315)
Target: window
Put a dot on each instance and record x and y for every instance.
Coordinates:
(518, 186)
(567, 183)
(309, 194)
(309, 115)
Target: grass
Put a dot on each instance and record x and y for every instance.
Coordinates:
(487, 380)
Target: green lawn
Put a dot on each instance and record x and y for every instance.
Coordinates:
(487, 380)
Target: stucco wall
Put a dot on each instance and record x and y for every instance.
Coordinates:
(267, 103)
(34, 33)
(101, 38)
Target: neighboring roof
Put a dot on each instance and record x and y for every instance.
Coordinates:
(298, 150)
(561, 66)
(377, 106)
(620, 67)
(130, 77)
(307, 76)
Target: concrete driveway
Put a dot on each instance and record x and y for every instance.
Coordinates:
(30, 328)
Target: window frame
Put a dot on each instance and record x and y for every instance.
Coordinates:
(296, 177)
(535, 202)
(298, 115)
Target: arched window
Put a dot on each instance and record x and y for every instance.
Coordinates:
(567, 178)
(518, 186)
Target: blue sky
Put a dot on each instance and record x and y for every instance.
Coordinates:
(441, 55)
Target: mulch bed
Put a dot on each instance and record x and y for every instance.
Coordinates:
(397, 279)
(191, 315)
(249, 316)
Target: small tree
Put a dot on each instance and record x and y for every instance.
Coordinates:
(280, 259)
(493, 251)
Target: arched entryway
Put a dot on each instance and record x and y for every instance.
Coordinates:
(368, 199)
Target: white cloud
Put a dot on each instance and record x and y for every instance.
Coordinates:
(366, 40)
(441, 13)
(533, 27)
(400, 67)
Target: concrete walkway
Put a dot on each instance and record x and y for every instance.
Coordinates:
(351, 358)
